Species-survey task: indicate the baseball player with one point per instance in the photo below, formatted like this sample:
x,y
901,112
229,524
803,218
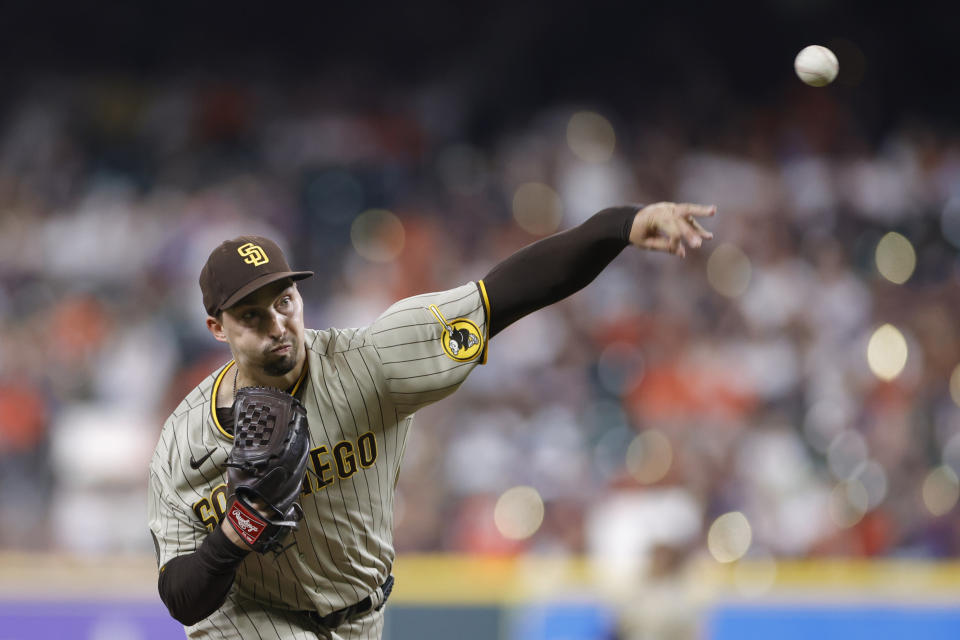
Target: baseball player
x,y
326,574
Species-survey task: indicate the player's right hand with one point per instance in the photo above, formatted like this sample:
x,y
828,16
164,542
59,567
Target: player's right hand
x,y
667,226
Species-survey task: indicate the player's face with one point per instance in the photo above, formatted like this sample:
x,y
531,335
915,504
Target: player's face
x,y
265,329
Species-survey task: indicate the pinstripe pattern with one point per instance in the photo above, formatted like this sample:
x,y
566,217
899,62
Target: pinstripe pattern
x,y
361,383
242,619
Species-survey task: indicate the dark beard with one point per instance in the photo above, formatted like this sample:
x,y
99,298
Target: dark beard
x,y
281,366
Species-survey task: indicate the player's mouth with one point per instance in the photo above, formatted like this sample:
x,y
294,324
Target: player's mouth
x,y
282,350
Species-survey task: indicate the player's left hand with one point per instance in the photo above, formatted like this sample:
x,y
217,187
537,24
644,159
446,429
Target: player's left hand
x,y
668,226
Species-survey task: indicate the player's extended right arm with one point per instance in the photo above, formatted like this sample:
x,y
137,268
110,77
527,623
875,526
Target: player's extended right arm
x,y
558,266
553,268
194,585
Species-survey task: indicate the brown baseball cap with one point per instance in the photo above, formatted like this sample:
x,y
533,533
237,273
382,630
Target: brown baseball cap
x,y
239,267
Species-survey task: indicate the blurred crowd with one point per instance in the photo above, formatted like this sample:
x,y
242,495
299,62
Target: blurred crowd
x,y
666,394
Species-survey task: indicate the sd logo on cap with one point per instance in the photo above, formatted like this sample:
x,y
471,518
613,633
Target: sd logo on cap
x,y
225,280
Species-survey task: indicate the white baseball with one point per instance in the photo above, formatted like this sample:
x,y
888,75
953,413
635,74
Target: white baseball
x,y
816,65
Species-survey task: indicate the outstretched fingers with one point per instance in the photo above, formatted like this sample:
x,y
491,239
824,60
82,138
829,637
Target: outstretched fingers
x,y
685,209
690,234
693,232
671,227
665,244
703,233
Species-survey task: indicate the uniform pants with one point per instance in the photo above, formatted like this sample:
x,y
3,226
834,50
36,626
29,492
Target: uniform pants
x,y
242,619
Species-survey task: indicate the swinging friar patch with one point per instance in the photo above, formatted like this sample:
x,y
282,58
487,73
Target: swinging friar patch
x,y
461,338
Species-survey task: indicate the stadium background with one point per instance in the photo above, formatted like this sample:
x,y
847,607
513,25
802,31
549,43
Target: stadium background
x,y
731,445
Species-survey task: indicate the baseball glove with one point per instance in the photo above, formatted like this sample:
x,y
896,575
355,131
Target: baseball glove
x,y
271,445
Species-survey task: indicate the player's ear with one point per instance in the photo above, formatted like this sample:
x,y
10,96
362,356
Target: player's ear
x,y
215,325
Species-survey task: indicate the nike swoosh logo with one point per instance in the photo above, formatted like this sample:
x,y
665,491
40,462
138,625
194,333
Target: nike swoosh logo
x,y
195,464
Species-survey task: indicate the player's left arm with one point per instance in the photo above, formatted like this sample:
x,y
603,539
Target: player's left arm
x,y
558,266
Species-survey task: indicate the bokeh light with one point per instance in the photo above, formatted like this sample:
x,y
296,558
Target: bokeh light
x,y
847,455
649,456
955,385
729,537
377,235
848,503
941,490
591,137
887,352
518,513
608,457
729,270
874,480
824,421
537,208
895,258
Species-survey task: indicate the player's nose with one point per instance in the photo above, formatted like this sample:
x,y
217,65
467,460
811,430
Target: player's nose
x,y
275,327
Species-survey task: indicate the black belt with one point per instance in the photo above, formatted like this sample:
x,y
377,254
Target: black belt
x,y
335,619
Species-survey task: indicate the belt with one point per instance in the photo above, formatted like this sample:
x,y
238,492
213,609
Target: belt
x,y
376,600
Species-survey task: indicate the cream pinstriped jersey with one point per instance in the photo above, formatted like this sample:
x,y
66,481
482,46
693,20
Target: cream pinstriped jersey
x,y
361,389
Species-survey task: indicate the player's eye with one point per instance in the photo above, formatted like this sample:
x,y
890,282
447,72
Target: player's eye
x,y
284,301
248,316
